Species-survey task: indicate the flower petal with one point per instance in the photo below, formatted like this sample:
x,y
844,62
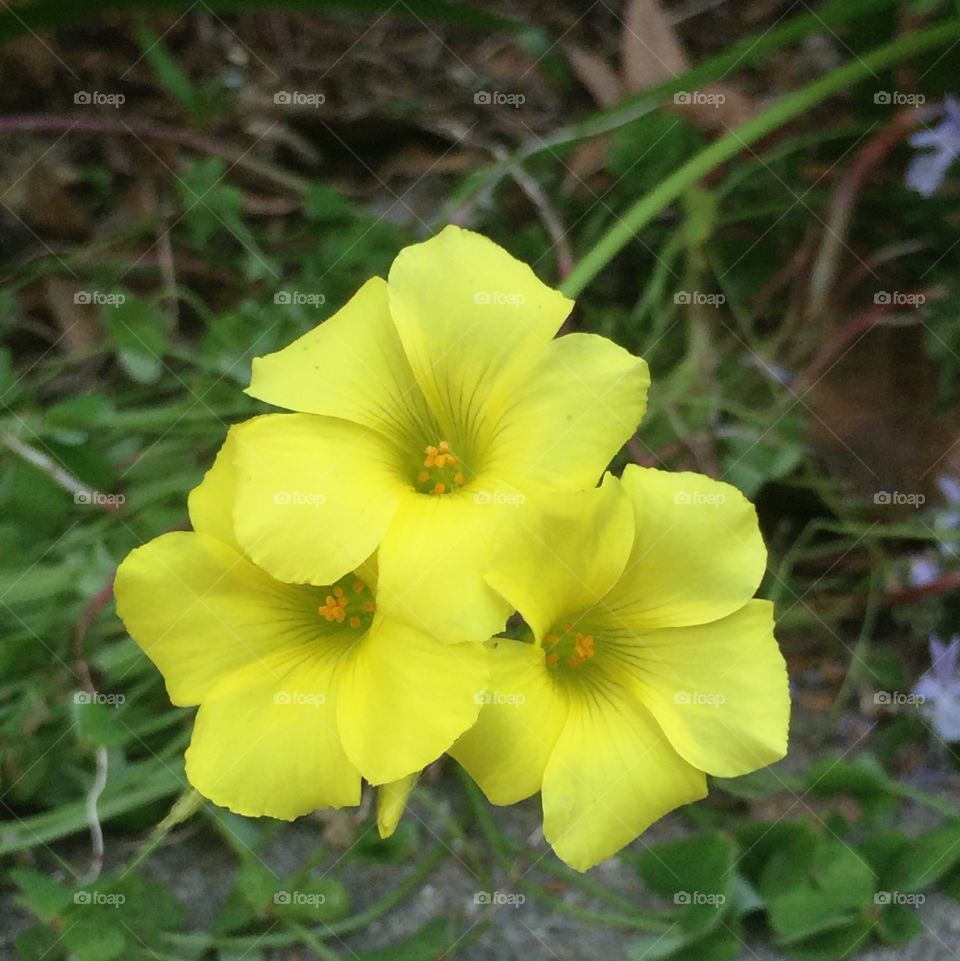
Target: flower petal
x,y
351,366
392,802
430,564
578,408
719,691
266,742
405,698
611,774
698,554
314,494
472,319
506,751
564,553
210,503
200,610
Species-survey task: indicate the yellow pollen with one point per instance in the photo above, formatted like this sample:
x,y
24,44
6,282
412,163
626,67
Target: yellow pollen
x,y
570,647
358,586
440,473
369,607
355,621
332,608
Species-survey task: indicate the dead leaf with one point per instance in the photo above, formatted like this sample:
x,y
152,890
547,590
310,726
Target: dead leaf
x,y
596,75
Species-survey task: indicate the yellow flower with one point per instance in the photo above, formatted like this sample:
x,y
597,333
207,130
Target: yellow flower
x,y
650,664
302,689
428,409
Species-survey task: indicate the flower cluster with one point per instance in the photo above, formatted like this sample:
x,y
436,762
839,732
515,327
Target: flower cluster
x,y
338,610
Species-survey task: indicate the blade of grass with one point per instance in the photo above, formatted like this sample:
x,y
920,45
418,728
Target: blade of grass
x,y
739,139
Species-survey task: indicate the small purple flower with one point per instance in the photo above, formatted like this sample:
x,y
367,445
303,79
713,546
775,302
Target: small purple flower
x,y
923,570
926,171
940,688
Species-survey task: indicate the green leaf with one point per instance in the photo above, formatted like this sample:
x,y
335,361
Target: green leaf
x,y
834,945
431,942
898,924
926,859
696,874
39,943
95,938
139,332
811,889
41,895
321,899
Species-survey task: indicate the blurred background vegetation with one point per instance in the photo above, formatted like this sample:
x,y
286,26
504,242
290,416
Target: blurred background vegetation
x,y
184,186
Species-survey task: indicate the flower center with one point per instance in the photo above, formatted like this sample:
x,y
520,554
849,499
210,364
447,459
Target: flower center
x,y
350,601
441,471
568,647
